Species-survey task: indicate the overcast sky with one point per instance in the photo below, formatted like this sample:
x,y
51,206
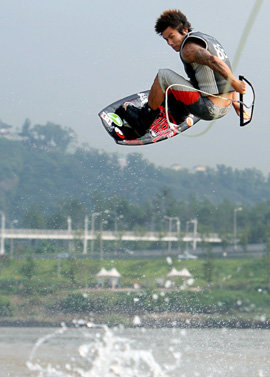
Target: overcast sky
x,y
63,61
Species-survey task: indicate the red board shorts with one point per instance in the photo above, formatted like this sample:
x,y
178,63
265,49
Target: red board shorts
x,y
193,101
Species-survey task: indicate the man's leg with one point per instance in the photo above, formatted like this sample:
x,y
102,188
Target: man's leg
x,y
156,95
156,98
140,119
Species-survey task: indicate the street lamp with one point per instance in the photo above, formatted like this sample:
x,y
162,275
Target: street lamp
x,y
178,229
116,219
101,239
69,231
13,222
69,223
187,224
178,224
195,223
235,226
3,221
85,235
195,226
170,230
93,216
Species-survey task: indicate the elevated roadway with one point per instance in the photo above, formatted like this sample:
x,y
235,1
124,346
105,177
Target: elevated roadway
x,y
86,236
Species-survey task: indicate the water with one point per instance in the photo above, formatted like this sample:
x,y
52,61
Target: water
x,y
101,352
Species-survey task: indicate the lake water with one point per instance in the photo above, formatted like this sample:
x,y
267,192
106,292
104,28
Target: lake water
x,y
101,352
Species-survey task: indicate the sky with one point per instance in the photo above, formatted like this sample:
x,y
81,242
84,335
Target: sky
x,y
63,61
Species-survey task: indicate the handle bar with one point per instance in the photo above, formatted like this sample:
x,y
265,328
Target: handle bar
x,y
241,97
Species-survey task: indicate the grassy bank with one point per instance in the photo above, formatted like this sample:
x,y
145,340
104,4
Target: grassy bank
x,y
220,293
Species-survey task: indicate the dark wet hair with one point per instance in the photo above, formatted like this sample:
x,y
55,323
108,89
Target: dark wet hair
x,y
173,18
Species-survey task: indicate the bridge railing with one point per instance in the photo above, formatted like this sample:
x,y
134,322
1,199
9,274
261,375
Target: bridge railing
x,y
106,235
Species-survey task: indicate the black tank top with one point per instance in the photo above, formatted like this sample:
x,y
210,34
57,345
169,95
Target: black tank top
x,y
201,76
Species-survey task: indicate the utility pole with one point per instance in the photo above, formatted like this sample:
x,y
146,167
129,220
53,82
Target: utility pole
x,y
116,219
235,227
170,231
85,235
3,221
69,231
93,217
12,241
101,238
195,226
178,224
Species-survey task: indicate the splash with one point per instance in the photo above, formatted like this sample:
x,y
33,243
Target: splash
x,y
103,352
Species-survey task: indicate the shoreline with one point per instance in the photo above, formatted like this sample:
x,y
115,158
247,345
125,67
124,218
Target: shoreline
x,y
153,320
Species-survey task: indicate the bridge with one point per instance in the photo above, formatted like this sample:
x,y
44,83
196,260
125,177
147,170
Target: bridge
x,y
89,235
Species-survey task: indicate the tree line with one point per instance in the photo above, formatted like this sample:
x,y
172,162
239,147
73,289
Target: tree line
x,y
253,223
46,178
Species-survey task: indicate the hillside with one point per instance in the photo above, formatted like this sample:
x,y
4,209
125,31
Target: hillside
x,y
33,175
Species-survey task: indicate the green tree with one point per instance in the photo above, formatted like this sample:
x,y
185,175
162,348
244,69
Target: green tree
x,y
72,270
33,218
7,309
209,266
56,220
45,247
244,237
50,136
72,208
28,268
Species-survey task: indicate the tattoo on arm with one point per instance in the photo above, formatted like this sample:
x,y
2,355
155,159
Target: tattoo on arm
x,y
202,56
193,53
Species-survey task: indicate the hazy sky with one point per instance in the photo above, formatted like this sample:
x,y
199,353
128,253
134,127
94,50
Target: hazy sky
x,y
64,60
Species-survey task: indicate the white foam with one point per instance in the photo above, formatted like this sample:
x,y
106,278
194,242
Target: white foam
x,y
104,353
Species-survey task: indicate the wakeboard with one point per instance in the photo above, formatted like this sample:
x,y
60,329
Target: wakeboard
x,y
159,130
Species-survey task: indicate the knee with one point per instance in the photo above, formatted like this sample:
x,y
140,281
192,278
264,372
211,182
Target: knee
x,y
163,73
164,76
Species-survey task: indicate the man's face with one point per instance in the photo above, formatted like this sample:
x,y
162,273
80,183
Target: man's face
x,y
174,38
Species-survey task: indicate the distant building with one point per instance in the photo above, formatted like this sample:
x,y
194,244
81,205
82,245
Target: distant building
x,y
176,167
4,129
200,168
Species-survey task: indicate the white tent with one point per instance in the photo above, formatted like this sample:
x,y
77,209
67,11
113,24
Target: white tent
x,y
114,277
113,273
102,273
111,277
173,273
184,273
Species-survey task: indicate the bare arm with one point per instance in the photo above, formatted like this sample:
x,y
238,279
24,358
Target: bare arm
x,y
194,53
236,106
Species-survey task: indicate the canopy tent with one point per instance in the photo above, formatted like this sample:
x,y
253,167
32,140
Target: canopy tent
x,y
113,273
173,273
111,277
102,273
184,273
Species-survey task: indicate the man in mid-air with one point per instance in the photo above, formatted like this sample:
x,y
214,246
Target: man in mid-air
x,y
209,71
